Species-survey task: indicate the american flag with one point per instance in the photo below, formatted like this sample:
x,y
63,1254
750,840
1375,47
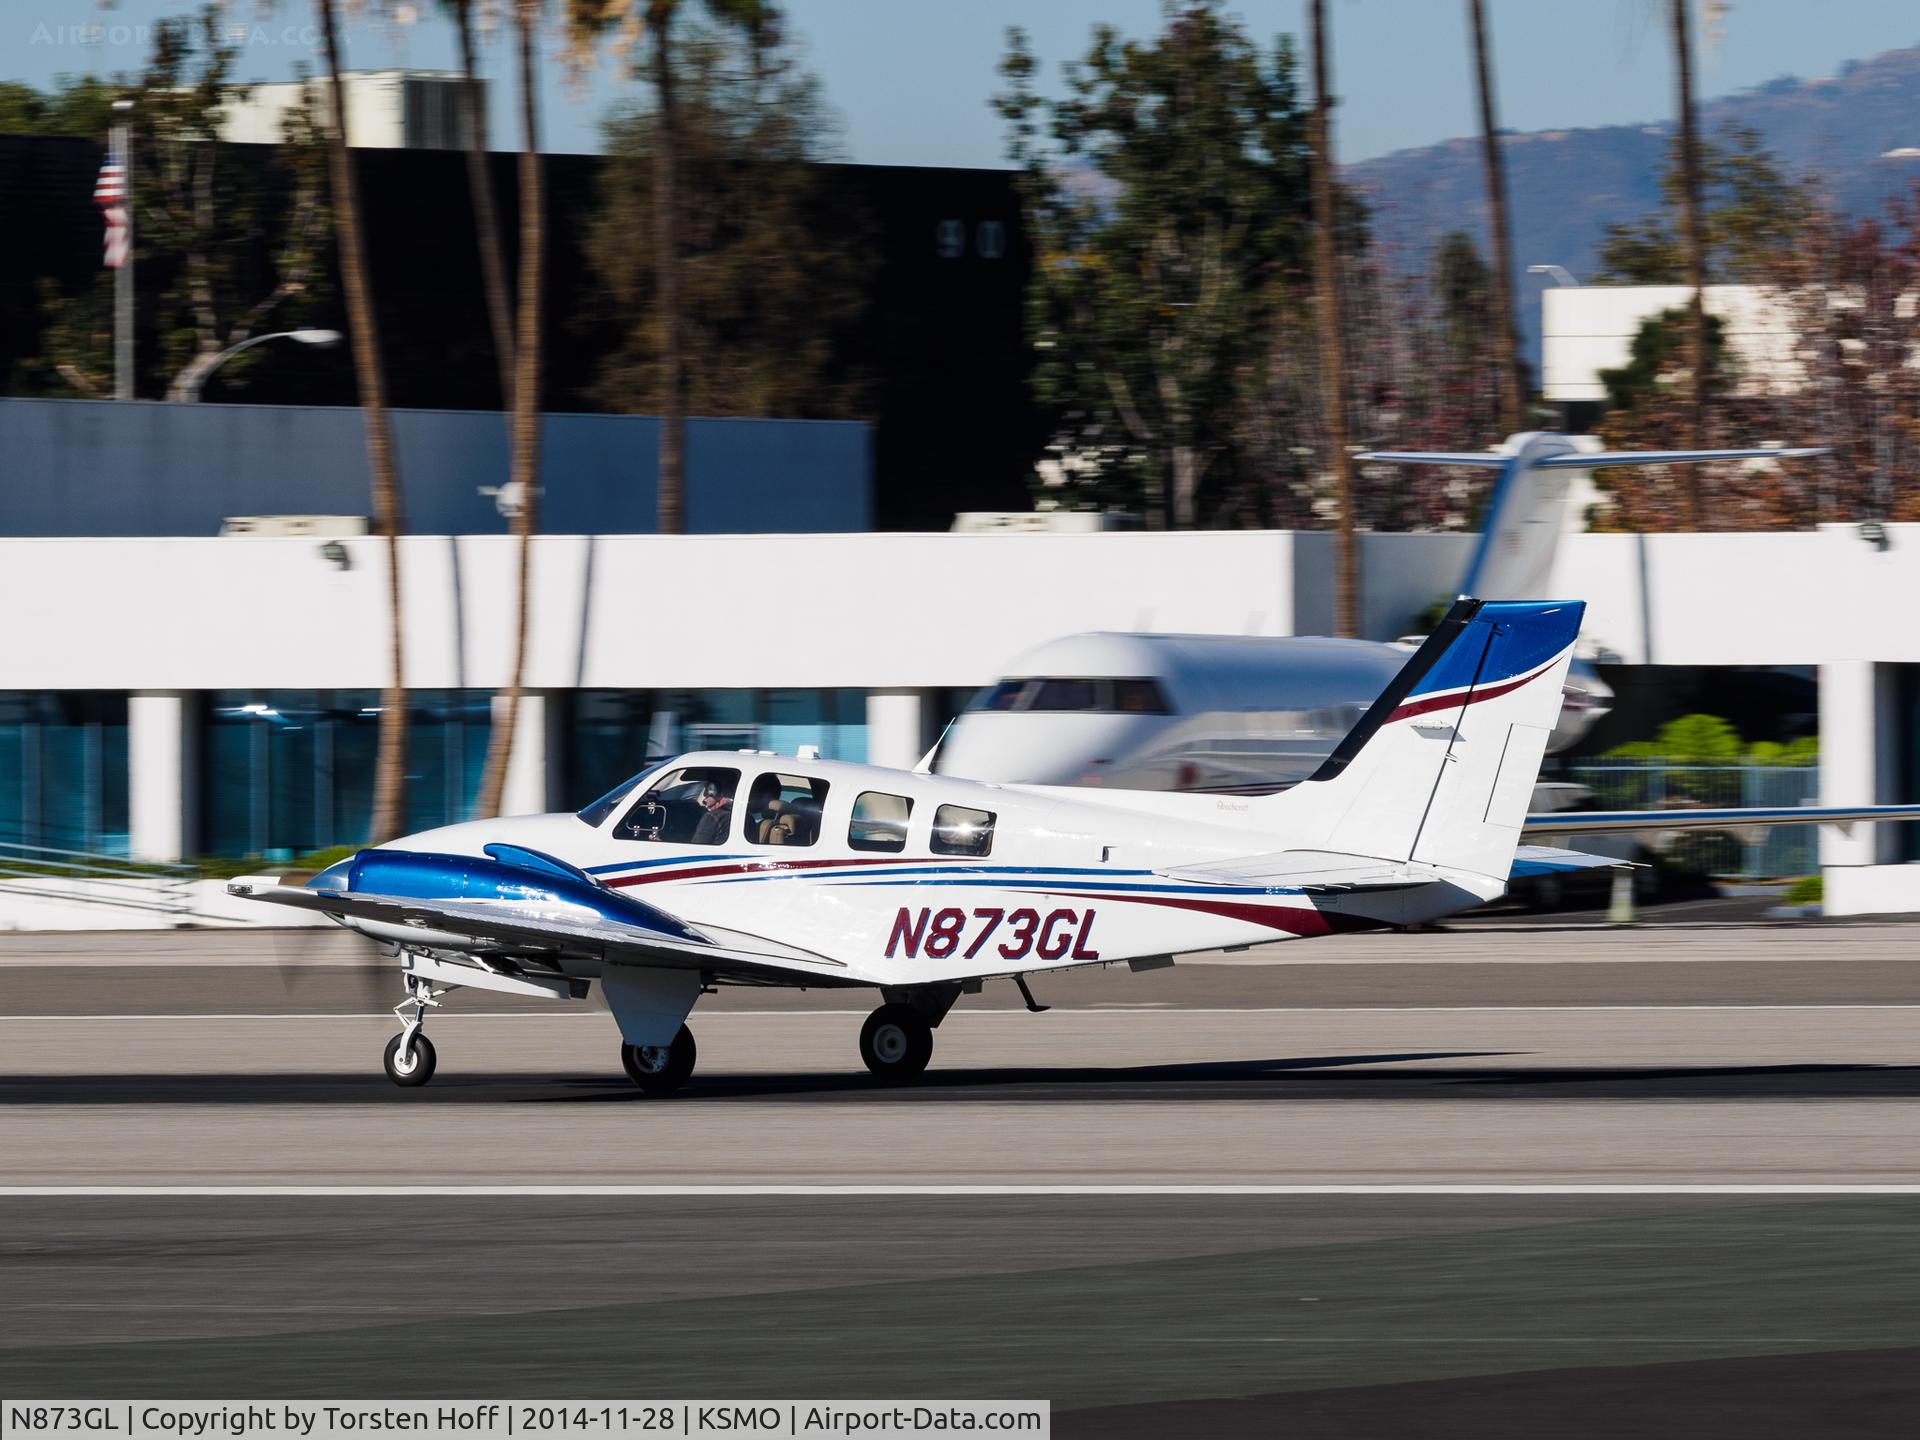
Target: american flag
x,y
110,194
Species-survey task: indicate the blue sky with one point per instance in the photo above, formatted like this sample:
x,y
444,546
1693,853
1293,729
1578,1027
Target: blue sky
x,y
910,78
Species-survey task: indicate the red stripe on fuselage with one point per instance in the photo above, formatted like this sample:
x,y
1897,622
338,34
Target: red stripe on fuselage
x,y
1300,920
748,867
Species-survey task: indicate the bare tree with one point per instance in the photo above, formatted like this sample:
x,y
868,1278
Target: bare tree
x,y
1696,260
1333,359
526,406
1512,397
666,243
390,764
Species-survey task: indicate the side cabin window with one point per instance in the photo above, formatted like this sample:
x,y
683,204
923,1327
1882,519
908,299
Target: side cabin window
x,y
784,810
692,805
960,831
879,822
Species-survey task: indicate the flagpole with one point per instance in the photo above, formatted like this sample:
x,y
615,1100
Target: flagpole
x,y
121,154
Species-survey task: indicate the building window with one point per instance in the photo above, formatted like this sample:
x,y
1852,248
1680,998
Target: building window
x,y
63,769
290,771
879,822
958,830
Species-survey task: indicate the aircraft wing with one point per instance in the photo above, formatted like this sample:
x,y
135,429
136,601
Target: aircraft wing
x,y
498,927
1574,822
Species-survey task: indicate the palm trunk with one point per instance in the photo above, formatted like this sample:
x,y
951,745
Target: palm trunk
x,y
493,269
1512,397
526,409
666,242
1696,264
389,774
1333,350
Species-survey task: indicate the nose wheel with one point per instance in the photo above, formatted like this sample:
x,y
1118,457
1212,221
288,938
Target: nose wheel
x,y
410,1059
660,1069
896,1043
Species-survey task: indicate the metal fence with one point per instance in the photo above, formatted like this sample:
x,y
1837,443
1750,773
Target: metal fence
x,y
1783,850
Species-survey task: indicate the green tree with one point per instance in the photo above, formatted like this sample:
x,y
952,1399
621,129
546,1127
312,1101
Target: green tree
x,y
1166,195
78,105
1658,351
1749,218
225,243
775,259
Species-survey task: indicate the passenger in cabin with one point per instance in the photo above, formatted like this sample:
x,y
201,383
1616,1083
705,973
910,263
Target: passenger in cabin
x,y
713,826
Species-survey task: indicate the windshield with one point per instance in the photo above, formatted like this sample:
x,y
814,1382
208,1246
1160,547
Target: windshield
x,y
596,814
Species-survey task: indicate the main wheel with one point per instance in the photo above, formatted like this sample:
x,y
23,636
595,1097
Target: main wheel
x,y
660,1069
896,1042
414,1068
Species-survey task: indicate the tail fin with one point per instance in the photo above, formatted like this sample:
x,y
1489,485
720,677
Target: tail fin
x,y
1441,767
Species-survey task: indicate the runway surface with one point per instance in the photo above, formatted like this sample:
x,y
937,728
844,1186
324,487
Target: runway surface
x,y
1662,1088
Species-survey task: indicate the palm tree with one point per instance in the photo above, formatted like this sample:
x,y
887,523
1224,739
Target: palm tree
x,y
1333,350
526,404
1696,261
1512,398
493,269
390,764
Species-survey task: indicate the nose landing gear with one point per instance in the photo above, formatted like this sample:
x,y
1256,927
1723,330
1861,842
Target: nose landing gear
x,y
410,1059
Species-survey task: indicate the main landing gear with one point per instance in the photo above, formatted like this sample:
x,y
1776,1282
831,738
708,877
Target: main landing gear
x,y
896,1043
660,1069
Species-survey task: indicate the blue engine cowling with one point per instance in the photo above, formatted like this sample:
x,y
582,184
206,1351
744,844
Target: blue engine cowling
x,y
511,873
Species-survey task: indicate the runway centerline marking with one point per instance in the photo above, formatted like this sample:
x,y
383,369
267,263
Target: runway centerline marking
x,y
691,1191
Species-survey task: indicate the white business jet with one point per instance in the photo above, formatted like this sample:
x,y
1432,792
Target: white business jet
x,y
1248,713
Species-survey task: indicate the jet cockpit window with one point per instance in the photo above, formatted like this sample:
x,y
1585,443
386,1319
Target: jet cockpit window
x,y
784,810
596,814
1127,695
958,830
879,822
692,805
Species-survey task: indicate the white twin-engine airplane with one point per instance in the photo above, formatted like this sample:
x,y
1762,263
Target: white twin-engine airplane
x,y
748,868
754,869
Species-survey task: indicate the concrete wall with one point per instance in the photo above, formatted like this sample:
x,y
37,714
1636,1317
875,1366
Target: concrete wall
x,y
98,467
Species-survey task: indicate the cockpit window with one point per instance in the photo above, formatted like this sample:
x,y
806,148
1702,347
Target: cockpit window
x,y
1066,695
596,814
1125,695
692,805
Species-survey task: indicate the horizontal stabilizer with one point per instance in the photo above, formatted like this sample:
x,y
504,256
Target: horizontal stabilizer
x,y
1529,860
1575,822
1603,458
1314,872
1488,459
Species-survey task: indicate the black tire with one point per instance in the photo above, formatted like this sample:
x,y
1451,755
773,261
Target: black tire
x,y
896,1043
420,1071
658,1073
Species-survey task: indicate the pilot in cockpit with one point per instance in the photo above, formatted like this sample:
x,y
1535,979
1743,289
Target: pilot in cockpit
x,y
713,825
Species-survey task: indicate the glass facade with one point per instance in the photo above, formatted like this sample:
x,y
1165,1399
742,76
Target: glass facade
x,y
609,734
287,771
63,769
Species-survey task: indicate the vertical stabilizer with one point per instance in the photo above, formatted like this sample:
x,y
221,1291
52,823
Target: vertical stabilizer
x,y
1442,765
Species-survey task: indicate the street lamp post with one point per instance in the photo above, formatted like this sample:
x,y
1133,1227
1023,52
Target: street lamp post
x,y
192,379
120,152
